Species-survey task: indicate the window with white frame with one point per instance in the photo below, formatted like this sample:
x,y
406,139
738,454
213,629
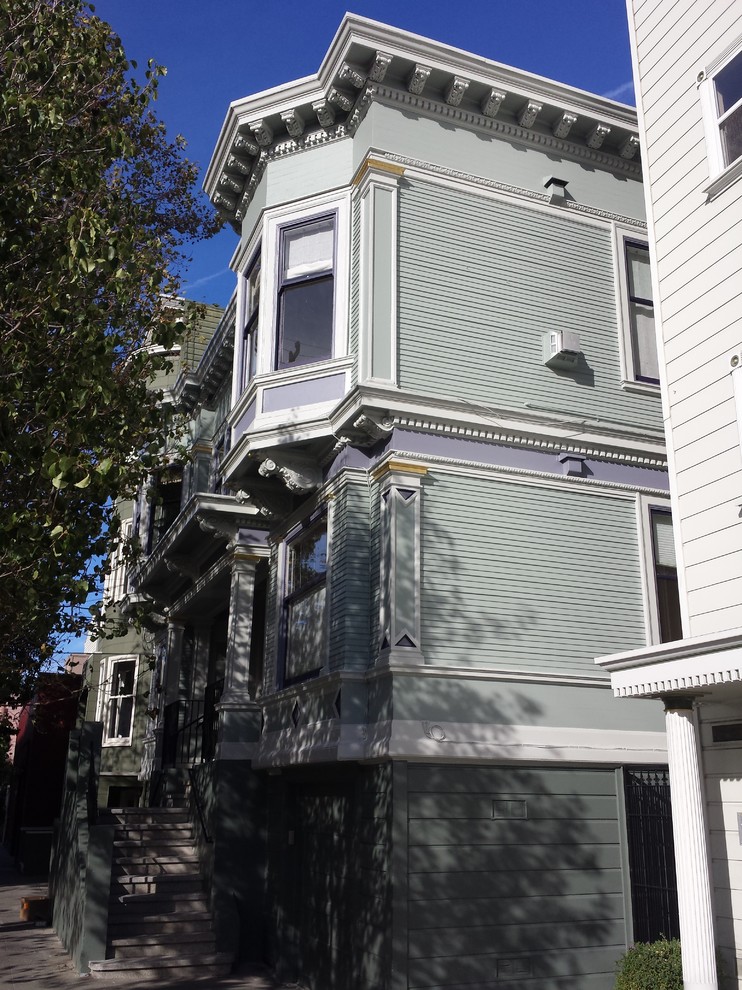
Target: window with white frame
x,y
639,351
250,327
304,602
721,97
306,292
116,699
662,595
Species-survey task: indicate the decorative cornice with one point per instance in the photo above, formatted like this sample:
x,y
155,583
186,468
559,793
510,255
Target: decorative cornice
x,y
359,60
396,466
516,130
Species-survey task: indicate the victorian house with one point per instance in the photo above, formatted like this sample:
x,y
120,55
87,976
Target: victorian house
x,y
427,486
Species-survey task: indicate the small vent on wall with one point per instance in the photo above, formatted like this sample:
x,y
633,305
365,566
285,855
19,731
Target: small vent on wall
x,y
509,809
727,732
561,349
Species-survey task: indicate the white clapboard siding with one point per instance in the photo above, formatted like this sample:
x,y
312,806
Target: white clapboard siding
x,y
691,476
720,333
726,438
714,544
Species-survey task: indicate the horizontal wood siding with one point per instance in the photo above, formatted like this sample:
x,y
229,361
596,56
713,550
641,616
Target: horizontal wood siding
x,y
523,576
699,265
536,901
349,594
482,280
328,888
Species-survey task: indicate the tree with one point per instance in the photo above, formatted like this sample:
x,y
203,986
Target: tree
x,y
98,207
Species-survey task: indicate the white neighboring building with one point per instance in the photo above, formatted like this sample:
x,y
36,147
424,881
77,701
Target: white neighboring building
x,y
688,76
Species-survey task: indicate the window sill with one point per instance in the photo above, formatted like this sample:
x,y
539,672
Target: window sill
x,y
113,743
640,388
723,180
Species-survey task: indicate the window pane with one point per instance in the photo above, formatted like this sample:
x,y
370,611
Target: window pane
x,y
640,279
664,545
123,678
308,248
308,559
253,288
305,327
125,712
306,633
644,344
731,136
728,84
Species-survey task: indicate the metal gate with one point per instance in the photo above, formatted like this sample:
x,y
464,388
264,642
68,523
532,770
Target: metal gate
x,y
654,896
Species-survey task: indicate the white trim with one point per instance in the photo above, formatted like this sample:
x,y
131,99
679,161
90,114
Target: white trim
x,y
457,741
721,173
105,675
622,234
644,506
274,221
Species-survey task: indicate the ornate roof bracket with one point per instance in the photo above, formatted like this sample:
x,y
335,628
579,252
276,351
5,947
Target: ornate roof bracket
x,y
379,67
455,91
183,565
491,102
366,430
237,164
597,136
629,147
294,123
348,74
564,125
244,143
528,114
418,78
270,504
262,131
336,96
228,181
325,113
297,474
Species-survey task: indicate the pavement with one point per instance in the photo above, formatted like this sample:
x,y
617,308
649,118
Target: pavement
x,y
32,957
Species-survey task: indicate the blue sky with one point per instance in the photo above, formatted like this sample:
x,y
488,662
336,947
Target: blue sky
x,y
217,51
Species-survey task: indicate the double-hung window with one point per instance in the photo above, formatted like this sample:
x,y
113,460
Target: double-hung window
x,y
118,682
641,313
640,363
721,102
250,328
306,292
665,576
304,602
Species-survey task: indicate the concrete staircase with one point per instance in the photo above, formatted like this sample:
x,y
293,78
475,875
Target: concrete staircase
x,y
159,922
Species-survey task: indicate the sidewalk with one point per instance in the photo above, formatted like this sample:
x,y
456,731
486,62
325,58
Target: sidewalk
x,y
32,958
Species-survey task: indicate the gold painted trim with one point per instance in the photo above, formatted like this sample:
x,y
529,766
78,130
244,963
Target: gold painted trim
x,y
403,467
378,165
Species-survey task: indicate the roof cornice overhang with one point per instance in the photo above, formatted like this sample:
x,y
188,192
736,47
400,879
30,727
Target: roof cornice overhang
x,y
364,53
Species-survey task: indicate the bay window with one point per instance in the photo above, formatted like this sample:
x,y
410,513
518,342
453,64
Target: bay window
x,y
304,602
306,290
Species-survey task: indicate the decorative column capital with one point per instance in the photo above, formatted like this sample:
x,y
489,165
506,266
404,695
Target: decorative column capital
x,y
678,702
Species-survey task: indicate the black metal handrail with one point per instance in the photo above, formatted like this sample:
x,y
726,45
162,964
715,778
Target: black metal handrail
x,y
199,803
190,728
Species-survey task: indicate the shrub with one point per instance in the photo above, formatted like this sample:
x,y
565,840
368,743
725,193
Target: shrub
x,y
651,966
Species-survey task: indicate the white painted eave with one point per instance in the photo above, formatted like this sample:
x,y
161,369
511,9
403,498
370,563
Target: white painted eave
x,y
687,665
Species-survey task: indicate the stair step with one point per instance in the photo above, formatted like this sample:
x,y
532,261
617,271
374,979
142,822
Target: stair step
x,y
158,865
126,925
211,966
129,847
164,944
154,904
175,884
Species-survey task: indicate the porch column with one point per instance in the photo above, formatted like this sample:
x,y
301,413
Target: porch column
x,y
200,674
239,721
175,631
695,906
